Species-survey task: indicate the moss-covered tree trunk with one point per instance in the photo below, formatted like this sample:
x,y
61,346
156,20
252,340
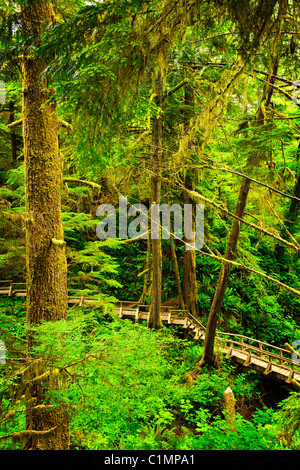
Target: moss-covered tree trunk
x,y
147,275
230,253
154,320
174,258
190,292
46,265
208,354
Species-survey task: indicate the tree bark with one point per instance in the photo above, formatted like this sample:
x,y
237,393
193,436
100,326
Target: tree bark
x,y
45,261
208,354
154,320
175,261
190,292
230,254
148,275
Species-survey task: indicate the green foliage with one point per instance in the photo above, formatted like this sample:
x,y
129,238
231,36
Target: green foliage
x,y
242,435
132,388
287,419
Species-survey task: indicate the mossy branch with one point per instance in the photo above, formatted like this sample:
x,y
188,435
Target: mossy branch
x,y
91,184
45,375
296,384
13,217
177,87
143,272
66,125
247,268
243,175
59,243
129,240
29,433
291,349
196,196
14,124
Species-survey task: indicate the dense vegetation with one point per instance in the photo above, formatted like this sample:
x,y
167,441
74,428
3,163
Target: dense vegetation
x,y
134,388
176,102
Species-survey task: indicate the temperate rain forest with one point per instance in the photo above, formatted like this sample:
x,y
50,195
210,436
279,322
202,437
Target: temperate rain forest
x,y
150,226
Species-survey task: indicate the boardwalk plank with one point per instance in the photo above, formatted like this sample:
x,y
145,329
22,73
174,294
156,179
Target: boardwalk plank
x,y
238,350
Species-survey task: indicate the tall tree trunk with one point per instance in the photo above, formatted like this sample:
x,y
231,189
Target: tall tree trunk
x,y
190,293
46,265
230,254
154,320
174,259
208,354
148,275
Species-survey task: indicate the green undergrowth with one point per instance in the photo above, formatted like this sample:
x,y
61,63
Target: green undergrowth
x,y
131,388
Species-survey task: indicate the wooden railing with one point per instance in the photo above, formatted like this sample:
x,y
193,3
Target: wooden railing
x,y
274,355
142,310
10,288
249,351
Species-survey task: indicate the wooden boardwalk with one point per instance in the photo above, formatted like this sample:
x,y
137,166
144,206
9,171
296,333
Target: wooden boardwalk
x,y
273,361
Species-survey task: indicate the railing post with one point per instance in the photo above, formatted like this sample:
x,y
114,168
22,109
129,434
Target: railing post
x,y
291,374
229,352
280,357
248,360
10,289
121,309
269,367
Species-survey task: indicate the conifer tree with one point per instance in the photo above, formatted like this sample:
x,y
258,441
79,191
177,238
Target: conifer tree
x,y
45,247
46,266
